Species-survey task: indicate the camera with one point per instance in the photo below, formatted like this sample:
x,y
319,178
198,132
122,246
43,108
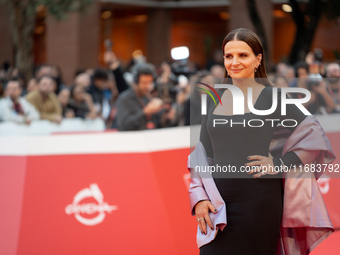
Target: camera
x,y
313,80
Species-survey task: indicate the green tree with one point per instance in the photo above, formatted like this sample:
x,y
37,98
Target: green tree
x,y
22,14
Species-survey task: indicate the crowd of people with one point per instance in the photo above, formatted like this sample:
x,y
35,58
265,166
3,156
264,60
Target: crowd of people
x,y
141,96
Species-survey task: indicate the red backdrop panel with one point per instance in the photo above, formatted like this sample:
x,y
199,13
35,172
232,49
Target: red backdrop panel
x,y
12,177
140,224
142,197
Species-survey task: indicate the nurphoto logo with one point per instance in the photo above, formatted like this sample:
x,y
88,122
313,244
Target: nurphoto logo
x,y
238,99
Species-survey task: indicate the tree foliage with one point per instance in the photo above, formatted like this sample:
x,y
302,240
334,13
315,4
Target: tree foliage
x,y
22,14
306,18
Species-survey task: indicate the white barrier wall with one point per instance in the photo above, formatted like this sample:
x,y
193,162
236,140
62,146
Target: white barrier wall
x,y
45,127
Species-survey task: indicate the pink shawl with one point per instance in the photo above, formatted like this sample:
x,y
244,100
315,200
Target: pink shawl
x,y
305,220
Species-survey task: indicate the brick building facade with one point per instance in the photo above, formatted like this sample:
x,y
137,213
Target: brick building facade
x,y
154,27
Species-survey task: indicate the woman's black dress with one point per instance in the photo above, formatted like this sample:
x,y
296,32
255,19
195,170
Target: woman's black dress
x,y
254,205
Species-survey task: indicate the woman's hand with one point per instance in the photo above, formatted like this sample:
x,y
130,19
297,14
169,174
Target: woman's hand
x,y
202,215
266,165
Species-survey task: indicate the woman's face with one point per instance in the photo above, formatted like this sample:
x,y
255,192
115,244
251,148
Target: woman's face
x,y
239,60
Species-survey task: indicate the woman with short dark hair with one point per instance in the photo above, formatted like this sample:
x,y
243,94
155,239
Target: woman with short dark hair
x,y
240,212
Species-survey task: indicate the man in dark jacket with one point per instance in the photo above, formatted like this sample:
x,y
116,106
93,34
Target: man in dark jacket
x,y
100,82
136,110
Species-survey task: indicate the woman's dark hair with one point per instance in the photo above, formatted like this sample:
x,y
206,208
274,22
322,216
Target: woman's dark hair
x,y
254,42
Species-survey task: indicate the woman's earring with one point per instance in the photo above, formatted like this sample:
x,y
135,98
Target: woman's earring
x,y
257,67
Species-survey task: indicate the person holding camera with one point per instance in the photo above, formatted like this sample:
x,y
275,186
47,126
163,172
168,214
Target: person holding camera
x,y
333,82
136,109
321,101
81,103
166,83
309,76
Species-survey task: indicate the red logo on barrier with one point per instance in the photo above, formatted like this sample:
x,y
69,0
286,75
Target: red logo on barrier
x,y
324,184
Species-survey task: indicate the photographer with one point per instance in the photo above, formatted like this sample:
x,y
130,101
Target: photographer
x,y
96,89
321,101
81,103
136,109
301,73
333,82
166,89
113,65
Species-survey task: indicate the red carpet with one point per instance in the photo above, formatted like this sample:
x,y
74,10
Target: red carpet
x,y
330,246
